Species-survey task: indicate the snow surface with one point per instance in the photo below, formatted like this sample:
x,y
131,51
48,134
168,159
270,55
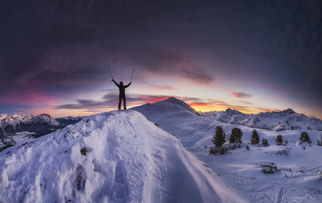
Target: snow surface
x,y
299,178
110,157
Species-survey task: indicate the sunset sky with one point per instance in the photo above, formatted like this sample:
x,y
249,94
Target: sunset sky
x,y
247,55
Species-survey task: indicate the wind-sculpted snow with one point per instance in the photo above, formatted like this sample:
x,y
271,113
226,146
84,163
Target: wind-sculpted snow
x,y
110,157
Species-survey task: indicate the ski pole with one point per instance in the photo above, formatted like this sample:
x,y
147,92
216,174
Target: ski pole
x,y
109,70
132,74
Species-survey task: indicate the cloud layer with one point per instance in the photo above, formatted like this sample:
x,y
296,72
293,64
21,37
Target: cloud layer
x,y
110,100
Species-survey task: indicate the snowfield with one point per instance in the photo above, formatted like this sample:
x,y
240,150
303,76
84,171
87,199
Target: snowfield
x,y
299,175
110,157
162,155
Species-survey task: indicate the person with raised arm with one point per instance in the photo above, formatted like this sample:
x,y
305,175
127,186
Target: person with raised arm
x,y
122,87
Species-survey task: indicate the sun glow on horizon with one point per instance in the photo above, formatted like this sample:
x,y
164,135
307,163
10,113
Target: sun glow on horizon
x,y
208,107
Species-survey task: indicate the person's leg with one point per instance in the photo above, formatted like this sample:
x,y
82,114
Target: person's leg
x,y
120,99
124,102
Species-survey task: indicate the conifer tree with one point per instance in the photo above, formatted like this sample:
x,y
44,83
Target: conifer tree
x,y
255,137
279,139
236,135
319,142
219,137
264,142
304,137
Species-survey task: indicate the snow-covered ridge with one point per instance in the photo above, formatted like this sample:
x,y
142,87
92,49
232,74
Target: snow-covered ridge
x,y
110,157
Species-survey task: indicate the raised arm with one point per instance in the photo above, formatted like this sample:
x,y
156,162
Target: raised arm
x,y
127,85
115,83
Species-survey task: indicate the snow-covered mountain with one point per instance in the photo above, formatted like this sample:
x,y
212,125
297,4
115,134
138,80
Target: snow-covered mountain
x,y
39,125
283,120
298,167
110,157
279,121
177,118
123,156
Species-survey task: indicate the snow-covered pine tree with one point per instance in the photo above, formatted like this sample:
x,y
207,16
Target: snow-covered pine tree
x,y
264,142
255,137
304,137
219,138
279,140
236,135
319,142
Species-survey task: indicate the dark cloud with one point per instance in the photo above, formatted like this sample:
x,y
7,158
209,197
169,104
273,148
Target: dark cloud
x,y
240,94
59,48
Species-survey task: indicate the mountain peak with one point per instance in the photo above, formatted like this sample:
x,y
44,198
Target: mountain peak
x,y
179,102
232,111
288,111
45,115
174,100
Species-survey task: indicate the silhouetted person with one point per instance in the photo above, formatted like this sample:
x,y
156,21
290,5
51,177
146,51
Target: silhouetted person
x,y
121,87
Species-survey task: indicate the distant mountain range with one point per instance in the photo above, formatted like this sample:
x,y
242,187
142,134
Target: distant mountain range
x,y
283,120
39,125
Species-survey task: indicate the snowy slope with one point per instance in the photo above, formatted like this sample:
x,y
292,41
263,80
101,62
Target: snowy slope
x,y
175,117
300,170
110,157
299,178
283,120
